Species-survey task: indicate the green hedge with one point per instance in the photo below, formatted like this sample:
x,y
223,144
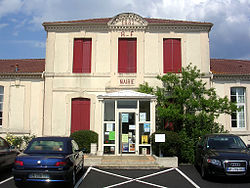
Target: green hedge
x,y
84,138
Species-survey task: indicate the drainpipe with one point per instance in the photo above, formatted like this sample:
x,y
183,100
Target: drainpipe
x,y
43,77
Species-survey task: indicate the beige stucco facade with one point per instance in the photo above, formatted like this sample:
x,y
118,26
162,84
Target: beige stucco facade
x,y
42,105
223,85
23,104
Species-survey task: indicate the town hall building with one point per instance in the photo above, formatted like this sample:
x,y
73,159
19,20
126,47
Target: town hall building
x,y
91,74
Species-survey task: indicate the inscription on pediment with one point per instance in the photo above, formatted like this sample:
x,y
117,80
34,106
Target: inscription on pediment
x,y
127,20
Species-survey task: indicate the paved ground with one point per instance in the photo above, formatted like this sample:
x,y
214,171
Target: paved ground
x,y
184,176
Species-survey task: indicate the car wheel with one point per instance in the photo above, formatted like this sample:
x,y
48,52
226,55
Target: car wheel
x,y
204,173
82,167
19,184
196,164
73,178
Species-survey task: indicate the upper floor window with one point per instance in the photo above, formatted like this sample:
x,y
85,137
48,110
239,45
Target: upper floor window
x,y
82,55
171,55
1,105
238,118
127,55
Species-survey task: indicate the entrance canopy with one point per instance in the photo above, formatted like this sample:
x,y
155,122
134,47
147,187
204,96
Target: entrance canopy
x,y
128,120
127,94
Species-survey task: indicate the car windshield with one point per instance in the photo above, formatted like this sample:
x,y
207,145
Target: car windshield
x,y
225,143
48,146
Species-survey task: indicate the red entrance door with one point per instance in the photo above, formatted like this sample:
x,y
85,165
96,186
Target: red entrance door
x,y
80,114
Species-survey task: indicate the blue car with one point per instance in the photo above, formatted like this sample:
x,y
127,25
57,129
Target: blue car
x,y
49,159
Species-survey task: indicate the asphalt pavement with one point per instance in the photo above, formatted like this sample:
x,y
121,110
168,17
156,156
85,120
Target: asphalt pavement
x,y
184,176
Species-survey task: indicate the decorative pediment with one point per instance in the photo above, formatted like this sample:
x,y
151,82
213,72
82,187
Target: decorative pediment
x,y
127,21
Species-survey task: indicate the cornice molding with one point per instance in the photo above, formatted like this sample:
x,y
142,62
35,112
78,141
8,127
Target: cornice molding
x,y
126,22
22,75
106,28
178,28
76,27
230,77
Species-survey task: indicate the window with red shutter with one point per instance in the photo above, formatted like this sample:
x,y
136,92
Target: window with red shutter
x,y
127,55
171,55
82,55
80,114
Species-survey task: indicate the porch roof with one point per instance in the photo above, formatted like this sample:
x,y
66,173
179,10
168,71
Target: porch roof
x,y
126,94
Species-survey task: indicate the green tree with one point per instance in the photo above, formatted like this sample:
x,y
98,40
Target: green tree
x,y
191,106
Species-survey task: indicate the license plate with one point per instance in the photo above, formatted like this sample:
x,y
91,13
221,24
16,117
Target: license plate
x,y
236,169
38,175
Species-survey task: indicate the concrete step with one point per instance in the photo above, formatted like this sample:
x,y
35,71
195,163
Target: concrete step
x,y
128,160
129,167
122,162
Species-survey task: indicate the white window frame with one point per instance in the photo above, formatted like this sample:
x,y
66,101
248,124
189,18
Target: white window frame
x,y
239,103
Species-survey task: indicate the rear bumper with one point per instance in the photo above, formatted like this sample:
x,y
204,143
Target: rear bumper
x,y
54,176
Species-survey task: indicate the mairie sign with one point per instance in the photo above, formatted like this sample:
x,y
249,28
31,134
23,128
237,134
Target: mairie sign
x,y
127,81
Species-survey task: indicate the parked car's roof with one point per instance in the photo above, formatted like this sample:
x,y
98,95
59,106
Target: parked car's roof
x,y
219,134
53,138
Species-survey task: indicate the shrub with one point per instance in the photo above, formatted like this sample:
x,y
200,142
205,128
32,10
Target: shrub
x,y
176,144
84,138
169,148
19,142
187,147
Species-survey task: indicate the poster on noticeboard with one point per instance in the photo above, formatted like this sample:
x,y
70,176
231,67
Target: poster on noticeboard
x,y
146,127
131,147
143,116
124,117
125,147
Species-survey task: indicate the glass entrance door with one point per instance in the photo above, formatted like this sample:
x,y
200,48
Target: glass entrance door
x,y
127,133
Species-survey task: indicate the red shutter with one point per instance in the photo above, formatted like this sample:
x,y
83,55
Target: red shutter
x,y
122,56
80,114
87,46
131,67
127,56
82,56
176,55
171,55
77,56
167,55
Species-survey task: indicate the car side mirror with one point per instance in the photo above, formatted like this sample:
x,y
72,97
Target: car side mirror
x,y
12,147
200,146
84,150
248,146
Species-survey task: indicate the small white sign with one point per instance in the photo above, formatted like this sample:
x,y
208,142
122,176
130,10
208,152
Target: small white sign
x,y
159,137
124,117
109,127
131,127
143,116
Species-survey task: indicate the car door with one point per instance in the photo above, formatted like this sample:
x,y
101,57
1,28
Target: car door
x,y
200,149
2,153
76,155
7,155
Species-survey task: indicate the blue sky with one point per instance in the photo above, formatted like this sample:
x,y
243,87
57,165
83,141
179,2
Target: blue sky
x,y
23,37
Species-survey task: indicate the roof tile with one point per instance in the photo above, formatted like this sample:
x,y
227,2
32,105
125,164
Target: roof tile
x,y
230,66
149,20
22,65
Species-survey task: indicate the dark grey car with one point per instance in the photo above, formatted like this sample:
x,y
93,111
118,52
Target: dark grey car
x,y
7,154
222,155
